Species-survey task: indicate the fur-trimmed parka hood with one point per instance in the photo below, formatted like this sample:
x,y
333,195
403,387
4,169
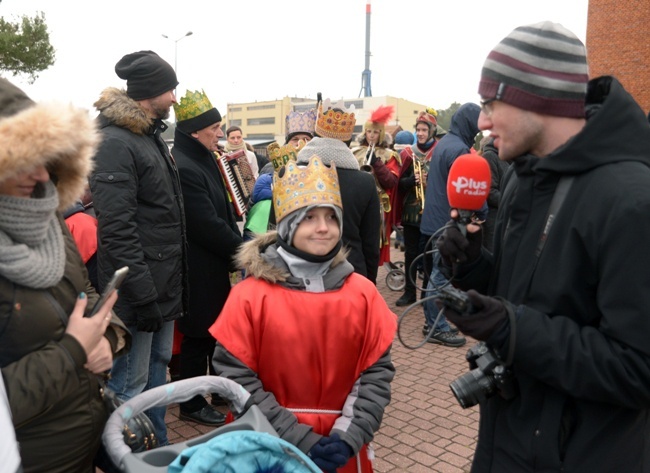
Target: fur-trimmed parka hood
x,y
254,256
61,137
119,109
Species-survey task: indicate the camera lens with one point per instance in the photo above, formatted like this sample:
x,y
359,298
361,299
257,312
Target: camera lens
x,y
472,387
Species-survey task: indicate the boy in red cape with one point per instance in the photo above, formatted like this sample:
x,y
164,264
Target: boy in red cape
x,y
305,335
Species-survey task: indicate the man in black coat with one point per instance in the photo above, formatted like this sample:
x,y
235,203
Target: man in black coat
x,y
139,207
213,238
569,268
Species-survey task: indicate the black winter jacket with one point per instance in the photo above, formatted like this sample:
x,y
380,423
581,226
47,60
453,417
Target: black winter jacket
x,y
582,357
139,206
360,220
212,234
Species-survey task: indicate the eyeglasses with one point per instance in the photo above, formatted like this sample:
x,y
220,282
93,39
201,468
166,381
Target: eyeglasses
x,y
486,106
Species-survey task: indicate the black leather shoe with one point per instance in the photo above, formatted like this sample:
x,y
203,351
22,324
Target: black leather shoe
x,y
406,299
207,415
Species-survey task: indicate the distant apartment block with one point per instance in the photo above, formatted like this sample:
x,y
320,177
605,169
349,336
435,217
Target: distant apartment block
x,y
264,121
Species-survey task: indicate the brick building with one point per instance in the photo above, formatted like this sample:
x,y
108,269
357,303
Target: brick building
x,y
618,44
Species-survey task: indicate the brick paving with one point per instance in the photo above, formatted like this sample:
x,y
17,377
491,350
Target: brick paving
x,y
424,429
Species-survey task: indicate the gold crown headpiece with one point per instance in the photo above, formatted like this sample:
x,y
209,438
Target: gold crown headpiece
x,y
281,155
297,186
335,121
192,105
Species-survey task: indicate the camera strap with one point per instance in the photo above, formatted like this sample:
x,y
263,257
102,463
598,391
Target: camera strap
x,y
559,197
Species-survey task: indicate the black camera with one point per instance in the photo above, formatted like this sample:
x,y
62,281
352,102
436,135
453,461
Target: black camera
x,y
487,376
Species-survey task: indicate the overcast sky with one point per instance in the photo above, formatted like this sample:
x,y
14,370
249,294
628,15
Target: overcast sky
x,y
426,51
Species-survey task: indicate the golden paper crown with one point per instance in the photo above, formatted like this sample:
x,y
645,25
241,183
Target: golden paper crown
x,y
295,187
335,121
192,105
280,156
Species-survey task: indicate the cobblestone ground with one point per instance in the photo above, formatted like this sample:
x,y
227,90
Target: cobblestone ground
x,y
424,429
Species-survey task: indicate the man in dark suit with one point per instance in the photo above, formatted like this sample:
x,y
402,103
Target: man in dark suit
x,y
213,238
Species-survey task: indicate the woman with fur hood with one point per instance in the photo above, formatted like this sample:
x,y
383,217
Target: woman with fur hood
x,y
305,335
51,352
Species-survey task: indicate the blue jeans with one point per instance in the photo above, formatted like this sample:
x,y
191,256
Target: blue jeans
x,y
436,280
145,367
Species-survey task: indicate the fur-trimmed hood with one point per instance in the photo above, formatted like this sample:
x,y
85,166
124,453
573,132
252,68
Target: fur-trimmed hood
x,y
257,258
119,109
62,137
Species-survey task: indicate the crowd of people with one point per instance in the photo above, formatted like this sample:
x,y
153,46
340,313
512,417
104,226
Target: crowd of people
x,y
553,264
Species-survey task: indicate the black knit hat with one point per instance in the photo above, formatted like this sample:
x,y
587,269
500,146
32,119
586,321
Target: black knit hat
x,y
147,75
541,68
194,112
200,122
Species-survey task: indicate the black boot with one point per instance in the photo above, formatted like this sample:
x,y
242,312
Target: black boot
x,y
208,415
407,298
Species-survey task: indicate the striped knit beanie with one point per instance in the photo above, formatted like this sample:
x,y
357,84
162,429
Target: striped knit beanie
x,y
541,68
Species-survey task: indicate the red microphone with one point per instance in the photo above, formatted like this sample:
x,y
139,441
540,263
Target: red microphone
x,y
468,186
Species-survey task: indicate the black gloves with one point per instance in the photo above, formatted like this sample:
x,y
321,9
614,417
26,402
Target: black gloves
x,y
455,248
374,159
488,316
149,317
330,453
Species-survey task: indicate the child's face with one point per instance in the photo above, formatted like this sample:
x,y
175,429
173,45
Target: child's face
x,y
318,233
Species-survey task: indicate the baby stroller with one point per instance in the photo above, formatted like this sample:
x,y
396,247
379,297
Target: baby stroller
x,y
247,445
396,277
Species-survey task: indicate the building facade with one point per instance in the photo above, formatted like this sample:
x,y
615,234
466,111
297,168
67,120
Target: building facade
x,y
618,44
265,120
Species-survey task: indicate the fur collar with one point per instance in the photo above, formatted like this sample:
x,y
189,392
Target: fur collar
x,y
251,257
120,110
62,137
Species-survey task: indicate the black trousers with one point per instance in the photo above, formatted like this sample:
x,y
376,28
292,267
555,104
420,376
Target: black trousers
x,y
411,251
426,261
196,360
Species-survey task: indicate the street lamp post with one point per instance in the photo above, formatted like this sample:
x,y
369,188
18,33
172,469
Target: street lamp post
x,y
189,33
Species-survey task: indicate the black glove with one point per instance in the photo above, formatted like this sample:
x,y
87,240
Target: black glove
x,y
149,317
330,453
455,248
487,316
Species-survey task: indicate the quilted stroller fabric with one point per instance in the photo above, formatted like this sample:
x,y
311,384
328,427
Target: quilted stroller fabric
x,y
243,452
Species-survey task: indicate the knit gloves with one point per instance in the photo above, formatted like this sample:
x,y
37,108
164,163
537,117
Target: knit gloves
x,y
455,248
488,316
330,453
149,317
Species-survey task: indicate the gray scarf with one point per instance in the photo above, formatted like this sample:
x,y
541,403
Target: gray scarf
x,y
32,251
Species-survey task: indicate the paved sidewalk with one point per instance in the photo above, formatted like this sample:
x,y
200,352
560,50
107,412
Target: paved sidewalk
x,y
424,429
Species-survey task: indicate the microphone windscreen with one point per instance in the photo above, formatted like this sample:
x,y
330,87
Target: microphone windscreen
x,y
468,184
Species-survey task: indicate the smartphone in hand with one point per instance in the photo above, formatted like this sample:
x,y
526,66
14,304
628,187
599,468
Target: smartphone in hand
x,y
116,281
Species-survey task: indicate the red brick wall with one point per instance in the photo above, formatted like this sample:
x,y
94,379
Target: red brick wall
x,y
618,44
